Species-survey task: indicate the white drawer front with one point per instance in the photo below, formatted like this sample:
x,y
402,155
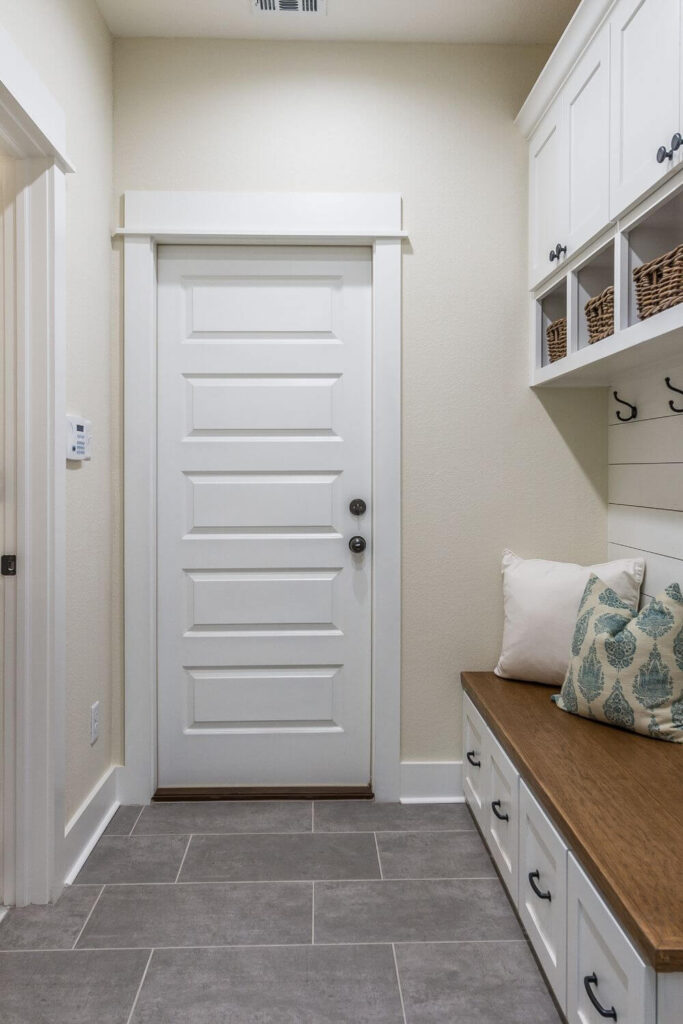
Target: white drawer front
x,y
543,865
502,818
601,959
475,753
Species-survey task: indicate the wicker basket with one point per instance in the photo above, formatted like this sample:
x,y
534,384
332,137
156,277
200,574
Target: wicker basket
x,y
556,333
659,283
600,316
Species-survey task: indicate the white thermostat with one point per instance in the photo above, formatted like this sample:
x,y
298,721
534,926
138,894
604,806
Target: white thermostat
x,y
78,438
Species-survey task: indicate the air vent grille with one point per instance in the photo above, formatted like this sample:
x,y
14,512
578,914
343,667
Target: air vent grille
x,y
289,6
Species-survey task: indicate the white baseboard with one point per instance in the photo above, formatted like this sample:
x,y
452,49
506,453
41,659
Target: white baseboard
x,y
88,824
431,782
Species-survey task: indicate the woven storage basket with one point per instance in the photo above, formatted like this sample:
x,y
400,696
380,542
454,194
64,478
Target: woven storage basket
x,y
556,333
659,283
600,316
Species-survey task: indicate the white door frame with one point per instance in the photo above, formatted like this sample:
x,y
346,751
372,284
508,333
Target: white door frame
x,y
32,132
153,218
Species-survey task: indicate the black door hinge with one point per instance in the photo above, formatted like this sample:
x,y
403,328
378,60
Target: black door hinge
x,y
8,565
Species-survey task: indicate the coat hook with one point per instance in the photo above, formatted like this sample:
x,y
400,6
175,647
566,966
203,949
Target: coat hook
x,y
674,408
634,411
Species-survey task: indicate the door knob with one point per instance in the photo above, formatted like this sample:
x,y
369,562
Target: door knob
x,y
357,545
357,507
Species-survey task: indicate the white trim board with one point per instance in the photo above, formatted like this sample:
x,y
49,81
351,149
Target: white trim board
x,y
216,218
32,130
431,782
88,823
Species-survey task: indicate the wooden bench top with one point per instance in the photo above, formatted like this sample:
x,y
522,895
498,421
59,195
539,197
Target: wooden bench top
x,y
617,799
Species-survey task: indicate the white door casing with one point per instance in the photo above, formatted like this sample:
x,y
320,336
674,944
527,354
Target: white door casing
x,y
322,219
264,436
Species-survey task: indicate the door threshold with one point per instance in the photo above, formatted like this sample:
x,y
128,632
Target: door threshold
x,y
167,793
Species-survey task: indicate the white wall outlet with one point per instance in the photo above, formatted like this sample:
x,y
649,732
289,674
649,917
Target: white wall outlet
x,y
94,722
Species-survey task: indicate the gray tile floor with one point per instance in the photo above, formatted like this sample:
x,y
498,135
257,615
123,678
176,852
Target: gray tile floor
x,y
341,912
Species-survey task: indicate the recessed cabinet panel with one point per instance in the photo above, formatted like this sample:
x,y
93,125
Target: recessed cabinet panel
x,y
543,890
502,819
547,192
603,968
646,68
475,734
586,117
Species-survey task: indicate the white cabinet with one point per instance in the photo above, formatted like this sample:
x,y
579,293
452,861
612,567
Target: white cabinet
x,y
646,95
606,977
502,818
547,192
586,121
475,733
542,902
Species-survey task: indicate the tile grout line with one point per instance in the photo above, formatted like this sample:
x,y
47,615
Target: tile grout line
x,y
313,916
273,945
300,881
142,982
398,981
97,900
379,859
306,832
312,815
183,860
136,821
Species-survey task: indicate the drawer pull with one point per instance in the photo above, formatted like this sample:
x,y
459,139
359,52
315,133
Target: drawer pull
x,y
592,979
471,754
494,807
539,892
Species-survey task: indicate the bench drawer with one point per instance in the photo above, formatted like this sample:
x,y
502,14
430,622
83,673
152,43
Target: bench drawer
x,y
475,753
601,961
502,813
543,890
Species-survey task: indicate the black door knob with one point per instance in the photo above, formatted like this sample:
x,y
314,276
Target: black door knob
x,y
357,545
357,507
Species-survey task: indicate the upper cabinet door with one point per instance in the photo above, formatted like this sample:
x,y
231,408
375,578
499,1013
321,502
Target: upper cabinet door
x,y
586,119
646,65
547,192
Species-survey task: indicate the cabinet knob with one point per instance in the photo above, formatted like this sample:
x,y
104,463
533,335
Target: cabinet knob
x,y
668,154
558,251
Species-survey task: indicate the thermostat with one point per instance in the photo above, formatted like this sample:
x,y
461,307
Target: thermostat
x,y
78,438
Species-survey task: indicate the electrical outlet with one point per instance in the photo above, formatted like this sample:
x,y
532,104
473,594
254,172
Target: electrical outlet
x,y
94,722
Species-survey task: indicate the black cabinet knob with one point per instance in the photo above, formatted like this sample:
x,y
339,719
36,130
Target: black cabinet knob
x,y
357,507
558,251
668,154
357,545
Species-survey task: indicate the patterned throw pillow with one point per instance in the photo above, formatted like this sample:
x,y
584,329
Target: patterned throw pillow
x,y
627,669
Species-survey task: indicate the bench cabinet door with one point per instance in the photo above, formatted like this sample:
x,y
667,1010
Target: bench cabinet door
x,y
543,890
502,814
605,974
475,754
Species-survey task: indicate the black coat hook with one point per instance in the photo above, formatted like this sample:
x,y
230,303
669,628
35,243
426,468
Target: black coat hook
x,y
634,411
674,408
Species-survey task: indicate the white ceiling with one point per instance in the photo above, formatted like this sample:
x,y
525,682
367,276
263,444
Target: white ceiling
x,y
428,21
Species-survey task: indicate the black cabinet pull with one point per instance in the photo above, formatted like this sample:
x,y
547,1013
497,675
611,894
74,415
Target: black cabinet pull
x,y
588,981
558,251
501,817
533,875
668,154
471,754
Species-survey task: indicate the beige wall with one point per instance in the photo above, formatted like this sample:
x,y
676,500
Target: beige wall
x,y
487,463
70,47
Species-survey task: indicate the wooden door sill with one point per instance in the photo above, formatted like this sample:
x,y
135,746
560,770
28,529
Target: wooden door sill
x,y
168,793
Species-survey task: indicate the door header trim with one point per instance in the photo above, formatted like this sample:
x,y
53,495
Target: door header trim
x,y
235,218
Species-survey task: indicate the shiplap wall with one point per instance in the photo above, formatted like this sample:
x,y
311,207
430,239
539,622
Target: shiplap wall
x,y
646,477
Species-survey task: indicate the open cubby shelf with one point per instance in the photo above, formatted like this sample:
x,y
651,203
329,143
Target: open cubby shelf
x,y
653,229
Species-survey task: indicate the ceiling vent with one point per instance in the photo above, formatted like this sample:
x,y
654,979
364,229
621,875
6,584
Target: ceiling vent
x,y
289,6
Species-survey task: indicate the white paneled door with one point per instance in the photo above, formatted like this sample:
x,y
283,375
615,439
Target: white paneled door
x,y
264,439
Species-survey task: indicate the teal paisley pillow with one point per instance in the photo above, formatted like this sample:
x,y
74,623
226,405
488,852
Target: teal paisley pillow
x,y
627,669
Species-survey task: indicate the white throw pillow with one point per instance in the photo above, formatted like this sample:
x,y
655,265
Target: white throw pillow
x,y
541,599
